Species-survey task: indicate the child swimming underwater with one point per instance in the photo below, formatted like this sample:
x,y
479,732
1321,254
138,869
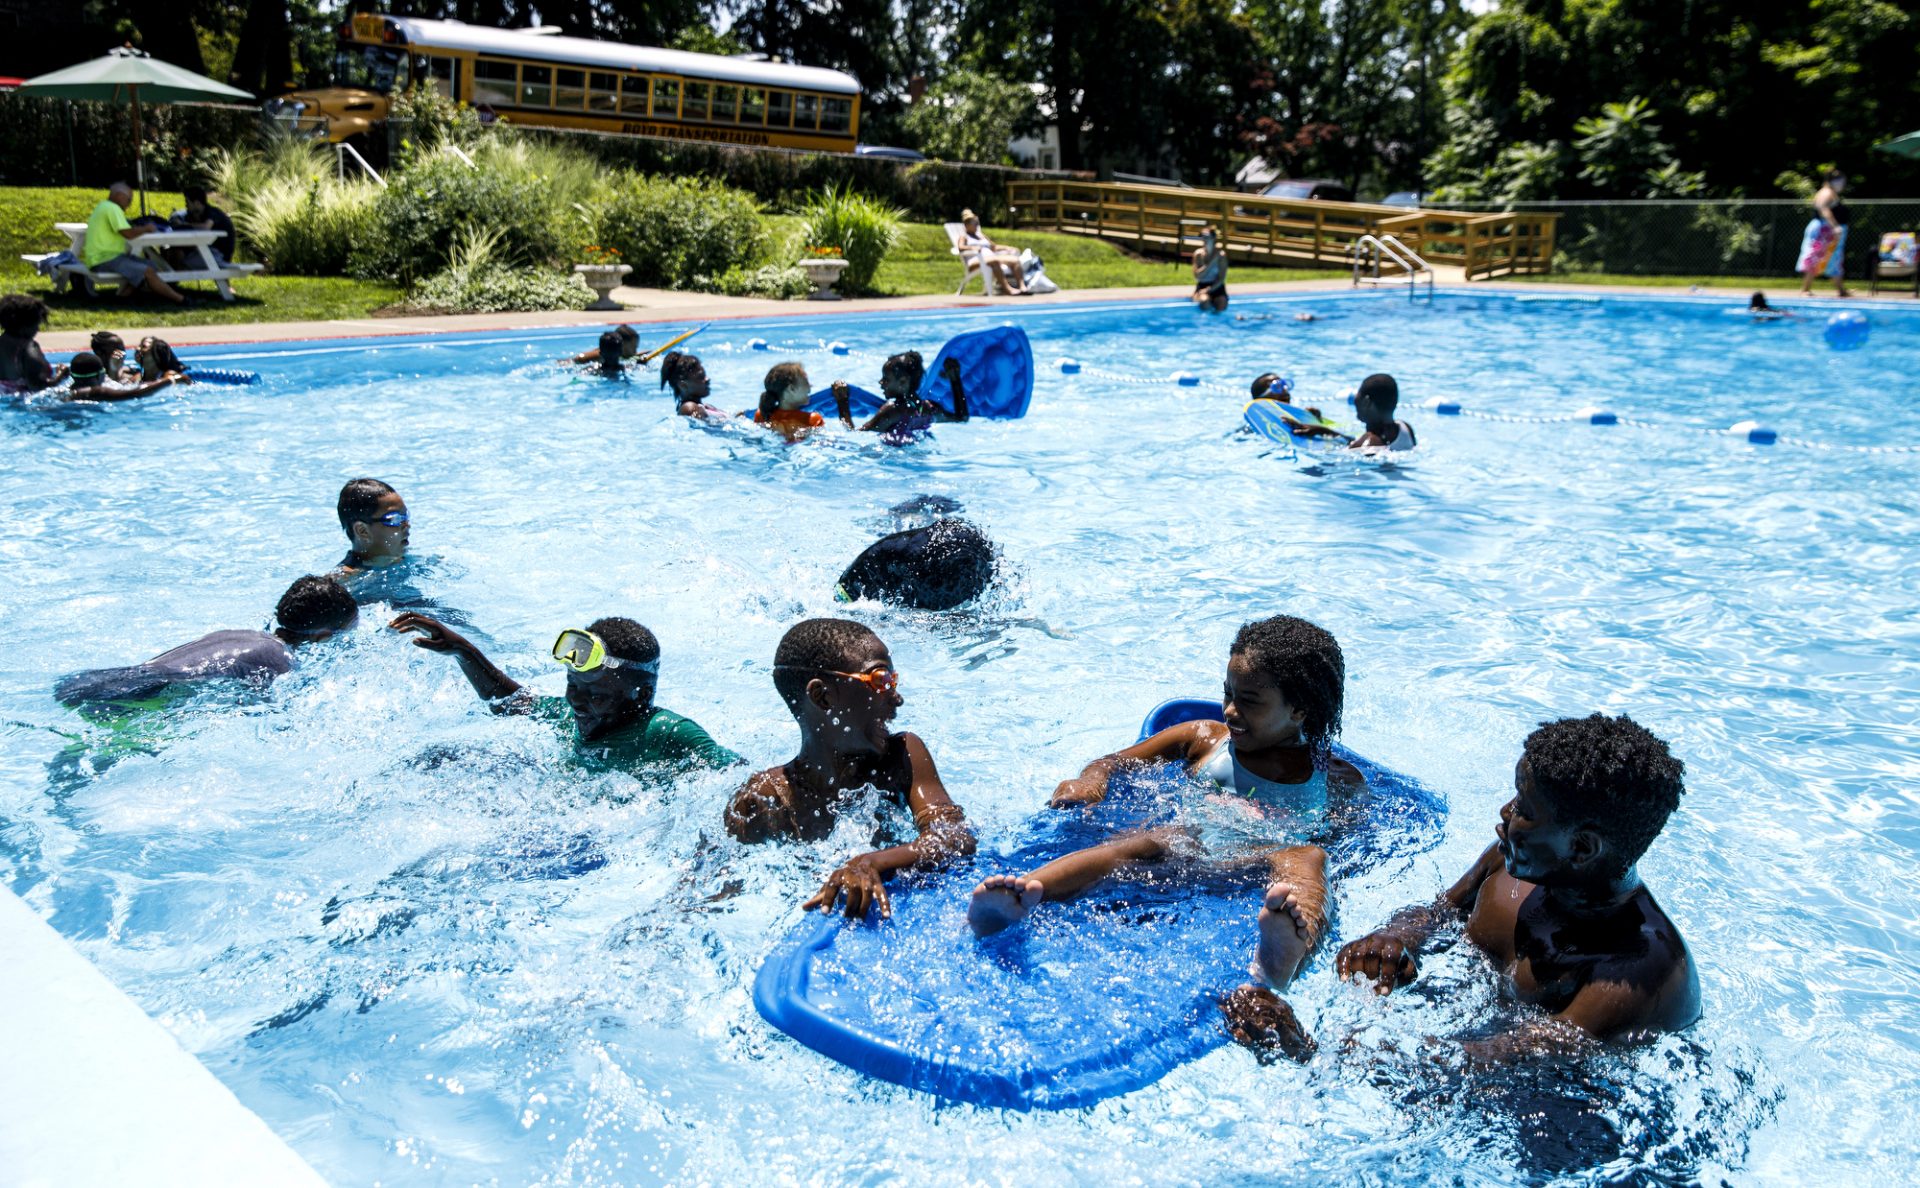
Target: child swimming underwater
x,y
906,414
840,685
1277,787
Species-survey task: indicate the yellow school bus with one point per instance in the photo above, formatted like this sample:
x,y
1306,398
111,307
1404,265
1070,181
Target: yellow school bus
x,y
532,77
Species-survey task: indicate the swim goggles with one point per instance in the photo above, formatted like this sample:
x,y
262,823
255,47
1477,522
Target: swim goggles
x,y
583,651
392,519
1281,386
884,680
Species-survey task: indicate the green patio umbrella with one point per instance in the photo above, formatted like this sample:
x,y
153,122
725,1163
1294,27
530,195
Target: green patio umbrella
x,y
1905,146
128,75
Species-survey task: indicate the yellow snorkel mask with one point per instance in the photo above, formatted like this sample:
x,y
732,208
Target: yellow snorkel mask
x,y
583,651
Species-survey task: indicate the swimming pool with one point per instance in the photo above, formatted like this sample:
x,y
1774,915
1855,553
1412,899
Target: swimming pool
x,y
425,953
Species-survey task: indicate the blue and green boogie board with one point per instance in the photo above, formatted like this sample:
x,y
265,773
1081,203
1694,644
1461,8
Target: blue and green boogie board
x,y
996,366
1087,999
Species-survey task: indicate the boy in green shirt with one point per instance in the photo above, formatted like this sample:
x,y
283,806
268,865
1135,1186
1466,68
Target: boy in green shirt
x,y
613,668
105,249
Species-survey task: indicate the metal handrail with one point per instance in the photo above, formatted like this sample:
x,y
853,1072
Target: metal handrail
x,y
1409,261
342,151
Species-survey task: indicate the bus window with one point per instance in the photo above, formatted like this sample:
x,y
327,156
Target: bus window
x,y
442,74
723,104
779,109
495,83
666,98
570,89
806,110
633,95
603,93
536,86
693,104
836,115
753,105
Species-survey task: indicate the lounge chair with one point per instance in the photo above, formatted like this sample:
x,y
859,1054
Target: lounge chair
x,y
1896,260
970,262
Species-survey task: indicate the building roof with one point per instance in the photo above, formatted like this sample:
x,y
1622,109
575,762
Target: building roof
x,y
612,55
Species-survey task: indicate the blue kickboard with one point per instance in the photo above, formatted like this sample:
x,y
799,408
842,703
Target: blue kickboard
x,y
860,402
1276,421
1088,998
996,367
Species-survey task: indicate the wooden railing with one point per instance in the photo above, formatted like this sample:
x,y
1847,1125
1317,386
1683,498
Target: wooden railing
x,y
1162,220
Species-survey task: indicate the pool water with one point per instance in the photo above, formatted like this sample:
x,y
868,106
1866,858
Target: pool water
x,y
426,951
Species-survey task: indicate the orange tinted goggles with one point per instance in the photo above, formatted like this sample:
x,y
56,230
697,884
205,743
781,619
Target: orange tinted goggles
x,y
881,680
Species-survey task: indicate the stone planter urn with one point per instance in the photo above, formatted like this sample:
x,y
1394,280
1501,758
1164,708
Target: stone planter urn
x,y
603,279
822,273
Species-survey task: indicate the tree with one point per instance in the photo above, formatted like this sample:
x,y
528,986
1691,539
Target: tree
x,y
969,116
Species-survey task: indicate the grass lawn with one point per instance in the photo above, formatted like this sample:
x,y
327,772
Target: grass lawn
x,y
27,217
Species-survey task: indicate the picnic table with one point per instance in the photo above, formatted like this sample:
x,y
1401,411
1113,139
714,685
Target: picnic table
x,y
154,244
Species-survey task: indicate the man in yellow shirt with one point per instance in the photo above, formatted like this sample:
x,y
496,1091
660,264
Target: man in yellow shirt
x,y
105,249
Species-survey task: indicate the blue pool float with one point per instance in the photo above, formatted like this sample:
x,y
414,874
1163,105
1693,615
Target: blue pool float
x,y
1091,998
996,365
221,375
1275,421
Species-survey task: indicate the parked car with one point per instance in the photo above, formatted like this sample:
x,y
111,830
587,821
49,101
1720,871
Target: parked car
x,y
1408,198
886,153
1312,189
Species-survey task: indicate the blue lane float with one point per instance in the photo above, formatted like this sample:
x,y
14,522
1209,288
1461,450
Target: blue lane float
x,y
1089,999
222,375
1847,330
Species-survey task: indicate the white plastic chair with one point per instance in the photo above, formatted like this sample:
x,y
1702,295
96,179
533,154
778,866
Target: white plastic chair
x,y
970,262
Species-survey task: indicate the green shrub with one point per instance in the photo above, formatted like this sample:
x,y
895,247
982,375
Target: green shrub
x,y
782,282
290,209
478,280
864,230
425,121
425,205
674,231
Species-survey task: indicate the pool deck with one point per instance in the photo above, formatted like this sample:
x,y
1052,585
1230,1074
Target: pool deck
x,y
662,305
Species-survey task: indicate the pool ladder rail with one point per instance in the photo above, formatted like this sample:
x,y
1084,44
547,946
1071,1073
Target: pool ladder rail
x,y
1367,252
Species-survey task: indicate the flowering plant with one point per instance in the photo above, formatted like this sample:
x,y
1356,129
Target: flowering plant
x,y
601,255
824,253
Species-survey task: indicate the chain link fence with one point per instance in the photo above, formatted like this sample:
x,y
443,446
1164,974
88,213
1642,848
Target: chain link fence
x,y
1733,238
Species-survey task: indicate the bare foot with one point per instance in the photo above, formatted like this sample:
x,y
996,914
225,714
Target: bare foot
x,y
1262,1022
1285,936
1001,902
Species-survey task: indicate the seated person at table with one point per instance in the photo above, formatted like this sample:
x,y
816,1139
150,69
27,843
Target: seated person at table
x,y
1278,389
1557,904
783,403
202,215
839,683
1374,404
90,382
1277,789
105,248
23,368
686,376
312,609
905,414
629,345
943,565
1210,273
613,669
998,259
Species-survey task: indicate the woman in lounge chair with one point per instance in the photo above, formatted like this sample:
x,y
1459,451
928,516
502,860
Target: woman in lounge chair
x,y
999,259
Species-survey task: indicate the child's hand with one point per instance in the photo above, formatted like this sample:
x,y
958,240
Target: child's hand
x,y
435,636
839,389
860,880
1076,792
951,369
755,817
1381,957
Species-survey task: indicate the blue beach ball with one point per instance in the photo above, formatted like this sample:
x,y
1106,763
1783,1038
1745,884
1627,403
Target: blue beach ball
x,y
1847,330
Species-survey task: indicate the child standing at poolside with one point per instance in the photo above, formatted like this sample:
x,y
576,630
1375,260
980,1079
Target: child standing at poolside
x,y
840,685
1375,404
1276,787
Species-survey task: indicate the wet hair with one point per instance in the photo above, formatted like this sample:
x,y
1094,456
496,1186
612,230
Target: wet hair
x,y
315,604
1266,383
610,351
164,360
195,194
1384,391
629,339
22,314
359,501
908,362
1758,301
675,365
939,567
779,378
626,639
1304,662
86,366
813,646
104,343
1611,775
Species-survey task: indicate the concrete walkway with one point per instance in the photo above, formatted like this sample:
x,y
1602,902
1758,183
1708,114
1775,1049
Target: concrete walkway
x,y
662,305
